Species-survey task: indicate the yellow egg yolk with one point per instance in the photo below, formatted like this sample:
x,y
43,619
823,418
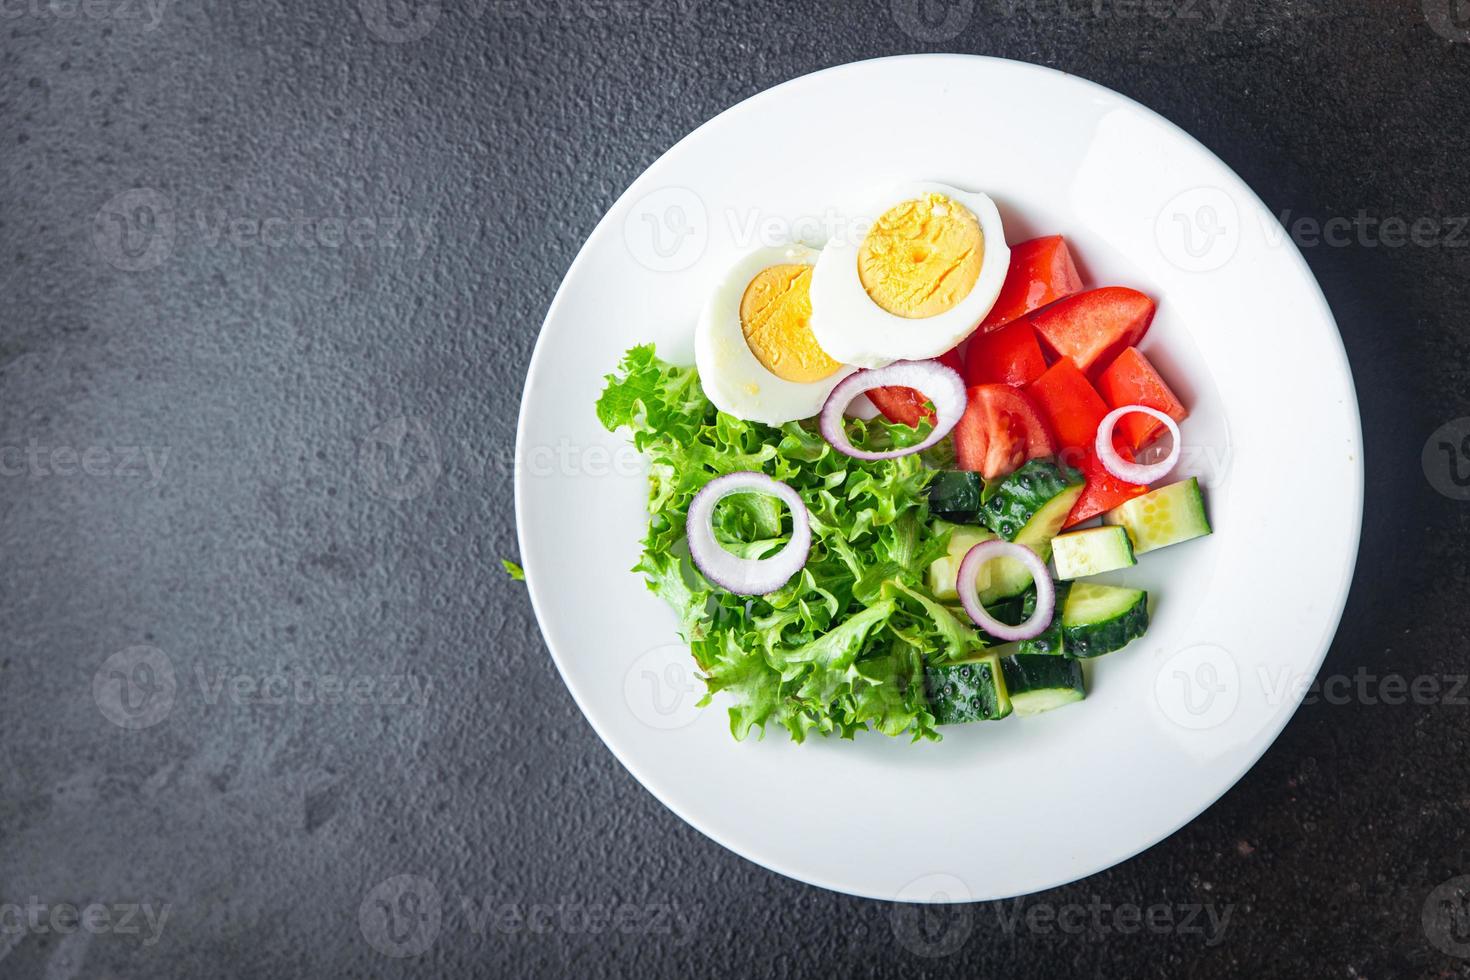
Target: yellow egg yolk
x,y
776,318
922,257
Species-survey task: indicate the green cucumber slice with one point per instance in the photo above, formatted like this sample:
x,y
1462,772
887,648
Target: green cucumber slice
x,y
956,492
999,579
1099,619
1049,643
1039,683
973,689
1033,492
1092,552
944,572
958,517
1029,508
1163,517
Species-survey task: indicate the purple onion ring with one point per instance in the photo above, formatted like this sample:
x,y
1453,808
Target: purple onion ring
x,y
1135,472
940,384
746,576
1046,592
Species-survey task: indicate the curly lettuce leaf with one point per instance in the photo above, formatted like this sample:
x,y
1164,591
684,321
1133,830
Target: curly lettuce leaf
x,y
841,647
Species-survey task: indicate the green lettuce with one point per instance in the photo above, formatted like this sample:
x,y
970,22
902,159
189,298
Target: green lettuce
x,y
841,647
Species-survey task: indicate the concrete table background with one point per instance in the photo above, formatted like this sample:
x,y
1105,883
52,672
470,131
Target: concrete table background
x,y
242,439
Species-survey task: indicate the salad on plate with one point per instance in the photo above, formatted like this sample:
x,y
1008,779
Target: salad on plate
x,y
879,499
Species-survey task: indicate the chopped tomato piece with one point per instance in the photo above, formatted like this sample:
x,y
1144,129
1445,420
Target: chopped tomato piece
x,y
906,406
1041,272
1132,380
1103,491
1070,404
1092,328
999,431
903,406
1010,355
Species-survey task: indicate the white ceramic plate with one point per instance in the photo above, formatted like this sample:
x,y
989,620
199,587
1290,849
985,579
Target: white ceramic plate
x,y
1242,619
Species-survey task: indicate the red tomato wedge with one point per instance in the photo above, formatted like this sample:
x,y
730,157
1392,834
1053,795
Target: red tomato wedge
x,y
999,431
906,406
1102,493
1070,405
1132,380
1041,272
1092,328
1009,356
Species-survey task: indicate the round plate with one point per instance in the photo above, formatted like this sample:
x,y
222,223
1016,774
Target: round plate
x,y
1242,619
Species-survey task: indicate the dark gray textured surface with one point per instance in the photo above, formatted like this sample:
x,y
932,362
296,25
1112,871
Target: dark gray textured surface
x,y
271,542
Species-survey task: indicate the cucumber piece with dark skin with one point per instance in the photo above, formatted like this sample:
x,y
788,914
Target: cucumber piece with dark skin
x,y
968,690
956,494
1013,612
1050,642
1015,502
969,518
1041,683
1098,619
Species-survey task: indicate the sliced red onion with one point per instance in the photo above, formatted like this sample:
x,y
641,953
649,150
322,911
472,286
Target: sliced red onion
x,y
1142,473
1046,592
747,576
862,408
940,384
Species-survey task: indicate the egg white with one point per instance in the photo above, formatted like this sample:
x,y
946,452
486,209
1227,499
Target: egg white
x,y
732,377
853,329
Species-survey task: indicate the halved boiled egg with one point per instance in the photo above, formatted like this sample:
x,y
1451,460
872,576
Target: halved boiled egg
x,y
919,281
754,347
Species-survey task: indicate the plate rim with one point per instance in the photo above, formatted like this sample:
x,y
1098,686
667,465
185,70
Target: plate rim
x,y
1338,349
